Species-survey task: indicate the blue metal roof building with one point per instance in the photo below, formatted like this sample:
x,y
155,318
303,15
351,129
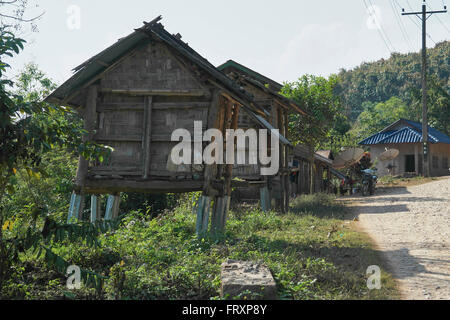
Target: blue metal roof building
x,y
405,131
406,136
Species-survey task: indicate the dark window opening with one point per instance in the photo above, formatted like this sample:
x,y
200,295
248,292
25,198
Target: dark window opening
x,y
410,164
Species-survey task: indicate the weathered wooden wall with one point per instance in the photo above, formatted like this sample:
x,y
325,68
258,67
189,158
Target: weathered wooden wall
x,y
139,103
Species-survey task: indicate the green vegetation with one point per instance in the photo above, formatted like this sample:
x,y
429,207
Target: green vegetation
x,y
322,106
152,252
357,103
312,252
376,93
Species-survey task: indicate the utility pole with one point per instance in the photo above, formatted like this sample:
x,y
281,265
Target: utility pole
x,y
423,16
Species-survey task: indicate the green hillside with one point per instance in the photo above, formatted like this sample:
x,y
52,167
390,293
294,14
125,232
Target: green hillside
x,y
369,84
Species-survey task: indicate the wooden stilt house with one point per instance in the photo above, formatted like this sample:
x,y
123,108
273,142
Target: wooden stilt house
x,y
265,92
132,96
300,171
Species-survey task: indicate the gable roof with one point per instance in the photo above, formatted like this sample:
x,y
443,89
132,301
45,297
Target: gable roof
x,y
257,80
90,70
251,73
288,103
409,132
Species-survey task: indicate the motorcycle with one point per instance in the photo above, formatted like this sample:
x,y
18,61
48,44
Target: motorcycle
x,y
369,182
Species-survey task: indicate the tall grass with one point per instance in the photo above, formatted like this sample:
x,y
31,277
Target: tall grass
x,y
319,204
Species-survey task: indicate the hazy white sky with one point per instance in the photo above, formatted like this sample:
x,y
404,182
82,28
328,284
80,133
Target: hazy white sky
x,y
281,39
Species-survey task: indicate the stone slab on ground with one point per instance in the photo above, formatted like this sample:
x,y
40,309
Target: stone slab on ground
x,y
242,276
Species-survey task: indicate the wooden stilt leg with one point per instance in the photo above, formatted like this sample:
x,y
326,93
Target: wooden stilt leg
x,y
264,199
203,215
95,208
287,192
216,215
115,209
221,207
112,207
226,207
75,208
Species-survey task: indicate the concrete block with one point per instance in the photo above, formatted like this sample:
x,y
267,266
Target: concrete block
x,y
239,276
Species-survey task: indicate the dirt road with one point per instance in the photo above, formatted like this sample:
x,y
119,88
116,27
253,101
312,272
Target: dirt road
x,y
412,227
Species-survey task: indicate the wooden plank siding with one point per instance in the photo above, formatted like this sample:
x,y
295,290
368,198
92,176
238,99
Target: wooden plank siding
x,y
137,122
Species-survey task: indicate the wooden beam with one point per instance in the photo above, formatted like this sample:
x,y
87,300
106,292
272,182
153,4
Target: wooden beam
x,y
282,201
121,107
131,138
147,139
101,186
181,105
230,97
89,124
161,92
286,161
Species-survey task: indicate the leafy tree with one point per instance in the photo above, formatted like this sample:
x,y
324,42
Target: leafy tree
x,y
317,97
13,15
400,76
375,117
30,128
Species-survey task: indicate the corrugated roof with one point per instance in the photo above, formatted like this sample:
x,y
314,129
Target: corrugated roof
x,y
405,135
433,133
376,138
411,132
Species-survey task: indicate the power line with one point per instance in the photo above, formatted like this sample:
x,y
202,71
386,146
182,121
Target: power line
x,y
423,16
379,31
439,19
401,26
382,30
414,21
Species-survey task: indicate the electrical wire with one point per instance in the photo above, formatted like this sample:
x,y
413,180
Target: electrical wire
x,y
379,31
439,19
414,21
382,30
401,26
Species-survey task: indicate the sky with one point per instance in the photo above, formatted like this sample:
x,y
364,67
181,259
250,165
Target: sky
x,y
281,39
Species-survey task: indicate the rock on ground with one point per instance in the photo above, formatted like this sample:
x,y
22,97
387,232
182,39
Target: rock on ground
x,y
241,276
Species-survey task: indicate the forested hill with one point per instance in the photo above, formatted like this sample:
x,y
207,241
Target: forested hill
x,y
399,76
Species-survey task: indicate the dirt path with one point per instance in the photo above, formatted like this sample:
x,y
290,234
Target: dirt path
x,y
412,227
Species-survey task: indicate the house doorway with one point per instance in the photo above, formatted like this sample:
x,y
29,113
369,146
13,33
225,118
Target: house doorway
x,y
410,165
